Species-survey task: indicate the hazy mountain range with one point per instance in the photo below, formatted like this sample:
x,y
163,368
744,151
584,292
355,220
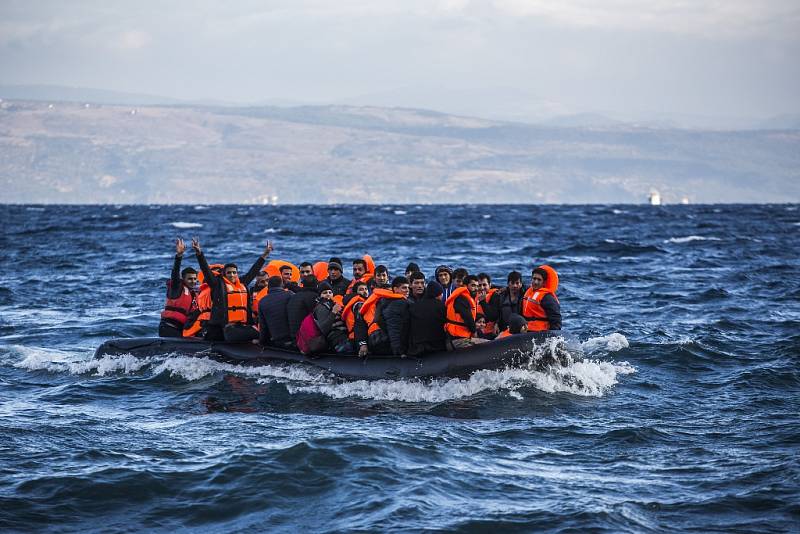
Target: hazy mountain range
x,y
70,148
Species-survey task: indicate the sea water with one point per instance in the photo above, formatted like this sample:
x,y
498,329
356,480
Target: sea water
x,y
678,411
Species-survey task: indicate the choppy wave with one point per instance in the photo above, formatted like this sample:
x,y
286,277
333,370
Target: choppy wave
x,y
186,225
690,238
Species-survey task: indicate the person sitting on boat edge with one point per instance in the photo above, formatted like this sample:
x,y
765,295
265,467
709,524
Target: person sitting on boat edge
x,y
181,296
301,304
426,322
273,319
540,306
416,283
337,281
516,325
328,316
461,311
230,304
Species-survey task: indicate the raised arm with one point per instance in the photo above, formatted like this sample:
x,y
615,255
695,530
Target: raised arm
x,y
251,274
201,260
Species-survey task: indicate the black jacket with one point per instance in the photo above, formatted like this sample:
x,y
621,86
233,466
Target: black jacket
x,y
462,307
507,307
330,324
300,305
396,322
426,326
273,320
219,296
552,310
339,286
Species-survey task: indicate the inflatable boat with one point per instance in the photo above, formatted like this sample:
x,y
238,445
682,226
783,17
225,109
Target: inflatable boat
x,y
511,351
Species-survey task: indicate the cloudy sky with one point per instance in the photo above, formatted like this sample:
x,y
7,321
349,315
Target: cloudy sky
x,y
625,58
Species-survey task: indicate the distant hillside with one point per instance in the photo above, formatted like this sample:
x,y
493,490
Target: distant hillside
x,y
65,152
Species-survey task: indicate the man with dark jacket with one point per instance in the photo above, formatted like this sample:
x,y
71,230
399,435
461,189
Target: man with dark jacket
x,y
396,318
460,313
510,299
219,327
301,304
335,278
273,320
444,275
416,284
426,322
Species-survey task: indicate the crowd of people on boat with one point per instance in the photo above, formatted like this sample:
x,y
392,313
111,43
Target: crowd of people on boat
x,y
315,309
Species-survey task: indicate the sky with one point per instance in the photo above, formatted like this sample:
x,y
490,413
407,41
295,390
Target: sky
x,y
629,59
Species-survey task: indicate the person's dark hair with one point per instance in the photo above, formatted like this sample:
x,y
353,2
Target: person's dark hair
x,y
275,281
412,268
310,282
357,285
304,264
416,275
541,272
484,276
399,281
324,286
514,276
515,323
470,278
360,261
228,265
186,271
433,290
284,267
479,316
381,269
460,273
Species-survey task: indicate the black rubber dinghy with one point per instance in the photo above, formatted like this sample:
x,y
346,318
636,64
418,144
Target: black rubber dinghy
x,y
511,351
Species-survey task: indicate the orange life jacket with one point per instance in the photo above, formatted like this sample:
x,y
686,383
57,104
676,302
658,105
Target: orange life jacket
x,y
489,328
366,278
204,308
504,333
263,292
349,316
370,306
237,298
454,324
532,309
177,310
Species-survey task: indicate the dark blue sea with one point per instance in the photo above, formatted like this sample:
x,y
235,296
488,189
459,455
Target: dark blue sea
x,y
679,413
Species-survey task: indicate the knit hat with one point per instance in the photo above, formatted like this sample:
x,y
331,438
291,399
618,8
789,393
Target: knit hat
x,y
323,286
515,323
334,265
433,290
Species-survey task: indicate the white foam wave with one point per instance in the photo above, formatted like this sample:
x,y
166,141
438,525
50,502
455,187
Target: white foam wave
x,y
584,377
400,212
201,207
184,225
610,343
618,212
487,216
689,238
272,230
